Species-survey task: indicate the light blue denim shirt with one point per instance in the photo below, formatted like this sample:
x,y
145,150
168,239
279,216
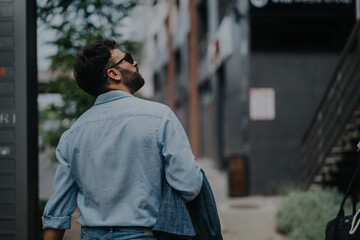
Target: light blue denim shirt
x,y
112,162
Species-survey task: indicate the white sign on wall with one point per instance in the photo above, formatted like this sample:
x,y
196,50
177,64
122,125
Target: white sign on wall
x,y
262,104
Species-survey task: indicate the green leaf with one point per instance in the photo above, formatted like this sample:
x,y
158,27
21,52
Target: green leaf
x,y
76,24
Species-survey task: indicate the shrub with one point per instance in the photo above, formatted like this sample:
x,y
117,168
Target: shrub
x,y
304,214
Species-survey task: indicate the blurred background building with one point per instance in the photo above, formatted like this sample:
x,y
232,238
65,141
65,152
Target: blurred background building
x,y
263,67
245,78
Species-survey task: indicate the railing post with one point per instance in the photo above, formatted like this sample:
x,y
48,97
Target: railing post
x,y
304,161
320,135
339,102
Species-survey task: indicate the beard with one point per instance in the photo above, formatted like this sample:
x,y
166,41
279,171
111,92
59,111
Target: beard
x,y
132,80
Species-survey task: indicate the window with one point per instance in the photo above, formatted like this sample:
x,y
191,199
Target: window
x,y
178,63
157,84
155,40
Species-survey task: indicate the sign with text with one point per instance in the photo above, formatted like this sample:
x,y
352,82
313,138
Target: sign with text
x,y
18,121
262,104
7,118
6,151
321,7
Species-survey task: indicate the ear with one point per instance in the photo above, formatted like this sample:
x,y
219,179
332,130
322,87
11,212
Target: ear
x,y
114,74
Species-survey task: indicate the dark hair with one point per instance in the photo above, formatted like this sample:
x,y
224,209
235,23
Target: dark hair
x,y
90,66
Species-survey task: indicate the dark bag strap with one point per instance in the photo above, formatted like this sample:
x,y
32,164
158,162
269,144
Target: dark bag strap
x,y
355,179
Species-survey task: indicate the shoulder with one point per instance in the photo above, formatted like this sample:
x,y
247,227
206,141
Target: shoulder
x,y
62,144
152,108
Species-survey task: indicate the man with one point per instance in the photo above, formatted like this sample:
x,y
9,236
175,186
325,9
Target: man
x,y
113,160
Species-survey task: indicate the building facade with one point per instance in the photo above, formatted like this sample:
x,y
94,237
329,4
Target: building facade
x,y
262,66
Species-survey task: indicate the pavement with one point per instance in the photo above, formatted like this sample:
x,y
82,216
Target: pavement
x,y
242,218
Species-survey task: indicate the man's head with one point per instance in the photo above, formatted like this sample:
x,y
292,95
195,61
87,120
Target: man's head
x,y
102,67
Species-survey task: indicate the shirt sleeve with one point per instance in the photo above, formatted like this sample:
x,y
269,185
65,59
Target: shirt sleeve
x,y
62,202
181,171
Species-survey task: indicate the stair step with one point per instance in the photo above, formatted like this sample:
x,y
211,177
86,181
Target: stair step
x,y
332,160
318,179
349,140
357,114
337,150
325,170
341,185
340,164
351,127
335,181
341,169
357,120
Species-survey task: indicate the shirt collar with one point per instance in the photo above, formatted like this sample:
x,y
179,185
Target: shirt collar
x,y
111,96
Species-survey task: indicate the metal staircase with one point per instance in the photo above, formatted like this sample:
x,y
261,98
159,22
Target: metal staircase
x,y
329,144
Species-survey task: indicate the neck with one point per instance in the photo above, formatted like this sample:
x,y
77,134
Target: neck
x,y
121,88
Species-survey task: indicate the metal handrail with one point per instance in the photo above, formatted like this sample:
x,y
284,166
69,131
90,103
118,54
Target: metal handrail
x,y
327,126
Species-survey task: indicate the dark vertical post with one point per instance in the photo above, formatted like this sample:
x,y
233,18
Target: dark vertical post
x,y
32,122
220,116
193,82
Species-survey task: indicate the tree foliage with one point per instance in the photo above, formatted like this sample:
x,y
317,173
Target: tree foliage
x,y
77,23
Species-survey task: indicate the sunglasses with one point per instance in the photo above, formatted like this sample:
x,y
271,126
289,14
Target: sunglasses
x,y
127,58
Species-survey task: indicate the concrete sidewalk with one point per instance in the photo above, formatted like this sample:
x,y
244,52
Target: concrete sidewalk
x,y
242,218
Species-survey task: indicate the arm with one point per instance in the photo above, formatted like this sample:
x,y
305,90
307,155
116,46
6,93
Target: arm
x,y
62,202
181,171
53,234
